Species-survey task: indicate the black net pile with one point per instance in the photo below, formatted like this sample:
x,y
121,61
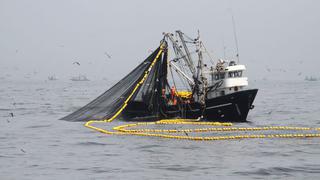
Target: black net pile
x,y
110,102
149,102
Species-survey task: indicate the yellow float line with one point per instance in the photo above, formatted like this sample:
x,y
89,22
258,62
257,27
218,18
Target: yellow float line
x,y
122,130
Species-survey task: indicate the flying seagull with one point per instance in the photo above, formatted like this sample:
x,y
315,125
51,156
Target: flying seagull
x,y
108,55
77,63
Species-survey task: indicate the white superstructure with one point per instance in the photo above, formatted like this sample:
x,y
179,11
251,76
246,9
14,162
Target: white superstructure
x,y
226,78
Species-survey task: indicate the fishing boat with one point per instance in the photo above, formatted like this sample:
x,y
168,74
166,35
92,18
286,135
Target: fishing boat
x,y
52,78
311,78
190,84
79,78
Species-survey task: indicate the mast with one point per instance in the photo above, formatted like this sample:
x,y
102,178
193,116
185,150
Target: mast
x,y
181,54
199,84
235,37
203,80
189,59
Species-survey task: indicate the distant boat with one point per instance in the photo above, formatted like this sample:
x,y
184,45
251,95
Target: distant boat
x,y
310,78
80,78
52,78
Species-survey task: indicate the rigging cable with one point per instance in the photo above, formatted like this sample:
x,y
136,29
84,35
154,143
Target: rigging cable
x,y
207,52
175,86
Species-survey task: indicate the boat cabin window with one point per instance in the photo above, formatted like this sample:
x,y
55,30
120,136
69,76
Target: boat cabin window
x,y
235,74
220,75
231,74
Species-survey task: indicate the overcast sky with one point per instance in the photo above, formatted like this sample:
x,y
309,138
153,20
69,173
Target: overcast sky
x,y
38,38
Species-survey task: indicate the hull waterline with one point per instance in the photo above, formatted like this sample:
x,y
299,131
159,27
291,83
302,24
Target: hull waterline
x,y
232,107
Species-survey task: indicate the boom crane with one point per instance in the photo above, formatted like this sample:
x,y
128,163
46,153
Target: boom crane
x,y
188,59
199,84
181,54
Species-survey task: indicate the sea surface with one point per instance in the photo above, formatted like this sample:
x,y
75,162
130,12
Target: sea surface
x,y
34,144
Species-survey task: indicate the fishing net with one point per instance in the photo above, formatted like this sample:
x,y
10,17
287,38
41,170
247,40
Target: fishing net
x,y
148,103
111,101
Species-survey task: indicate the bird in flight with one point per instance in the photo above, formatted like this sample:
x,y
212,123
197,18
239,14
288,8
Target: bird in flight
x,y
77,63
108,55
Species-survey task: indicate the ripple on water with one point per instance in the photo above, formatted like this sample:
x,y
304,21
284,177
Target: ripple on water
x,y
189,147
110,154
313,168
7,157
33,165
175,167
5,109
82,169
94,144
104,170
144,147
282,171
263,172
39,126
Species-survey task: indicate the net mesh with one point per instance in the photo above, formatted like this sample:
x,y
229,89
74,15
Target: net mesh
x,y
107,104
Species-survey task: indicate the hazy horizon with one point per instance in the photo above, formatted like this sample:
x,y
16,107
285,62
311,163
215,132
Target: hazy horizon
x,y
39,38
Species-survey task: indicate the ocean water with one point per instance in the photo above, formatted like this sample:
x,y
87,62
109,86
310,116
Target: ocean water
x,y
34,144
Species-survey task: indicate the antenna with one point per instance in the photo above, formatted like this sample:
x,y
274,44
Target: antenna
x,y
224,49
235,36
